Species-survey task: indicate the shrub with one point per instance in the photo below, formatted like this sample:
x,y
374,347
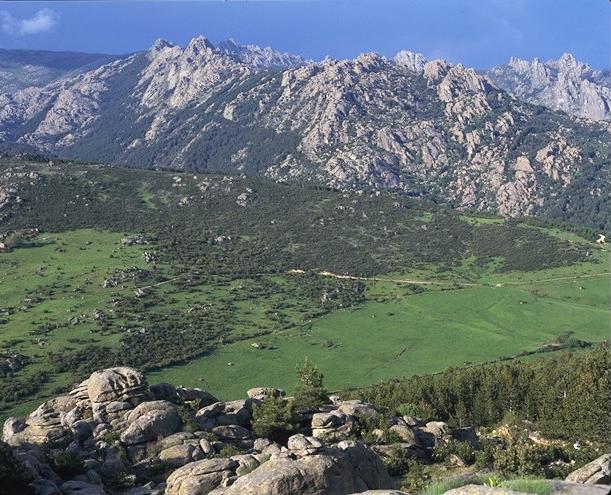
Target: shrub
x,y
66,464
274,419
398,462
464,450
310,392
228,451
408,409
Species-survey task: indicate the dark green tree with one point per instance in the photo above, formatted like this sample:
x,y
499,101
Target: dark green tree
x,y
274,419
310,392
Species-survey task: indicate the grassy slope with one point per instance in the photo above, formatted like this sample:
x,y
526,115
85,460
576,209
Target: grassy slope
x,y
419,333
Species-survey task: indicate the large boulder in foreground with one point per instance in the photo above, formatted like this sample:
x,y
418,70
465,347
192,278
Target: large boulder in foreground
x,y
200,477
594,473
349,468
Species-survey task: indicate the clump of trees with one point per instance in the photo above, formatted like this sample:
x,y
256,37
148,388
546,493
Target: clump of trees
x,y
567,396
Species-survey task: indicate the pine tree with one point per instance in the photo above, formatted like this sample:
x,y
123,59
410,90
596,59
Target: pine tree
x,y
310,392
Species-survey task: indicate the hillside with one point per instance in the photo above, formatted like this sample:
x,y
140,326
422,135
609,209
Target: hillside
x,y
21,69
231,280
428,129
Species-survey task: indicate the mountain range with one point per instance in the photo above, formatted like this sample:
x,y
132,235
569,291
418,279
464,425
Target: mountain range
x,y
492,140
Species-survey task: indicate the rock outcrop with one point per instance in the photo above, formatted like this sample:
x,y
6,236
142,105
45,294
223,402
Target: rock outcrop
x,y
564,84
113,434
594,473
115,427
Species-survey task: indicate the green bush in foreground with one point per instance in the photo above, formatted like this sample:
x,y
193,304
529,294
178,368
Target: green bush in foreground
x,y
274,419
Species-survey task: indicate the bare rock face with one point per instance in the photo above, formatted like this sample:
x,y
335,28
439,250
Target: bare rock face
x,y
594,473
350,468
116,384
42,425
411,60
564,84
199,477
150,421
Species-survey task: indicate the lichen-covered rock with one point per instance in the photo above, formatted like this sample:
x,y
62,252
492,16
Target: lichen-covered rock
x,y
44,424
352,469
200,477
179,455
593,473
261,393
151,421
231,432
332,426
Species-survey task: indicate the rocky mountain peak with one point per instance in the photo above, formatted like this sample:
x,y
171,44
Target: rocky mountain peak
x,y
199,44
259,57
436,70
412,61
161,44
564,84
567,61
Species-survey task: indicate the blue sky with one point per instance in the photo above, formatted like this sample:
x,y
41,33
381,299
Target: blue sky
x,y
477,33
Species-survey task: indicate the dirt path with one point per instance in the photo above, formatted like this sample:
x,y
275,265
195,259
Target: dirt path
x,y
381,279
557,279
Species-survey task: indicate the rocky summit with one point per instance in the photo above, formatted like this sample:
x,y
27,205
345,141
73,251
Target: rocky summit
x,y
424,128
115,434
564,84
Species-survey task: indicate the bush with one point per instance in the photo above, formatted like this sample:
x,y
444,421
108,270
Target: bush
x,y
463,450
14,479
398,462
521,456
310,392
274,419
408,409
228,451
66,464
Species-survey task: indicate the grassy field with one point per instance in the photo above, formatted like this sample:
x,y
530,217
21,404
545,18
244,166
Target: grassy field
x,y
401,329
412,334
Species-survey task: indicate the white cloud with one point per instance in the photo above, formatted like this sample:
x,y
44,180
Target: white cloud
x,y
41,22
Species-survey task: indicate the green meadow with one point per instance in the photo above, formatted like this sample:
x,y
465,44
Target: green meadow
x,y
420,333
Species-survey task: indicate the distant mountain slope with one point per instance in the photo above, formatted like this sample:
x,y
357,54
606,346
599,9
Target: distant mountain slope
x,y
564,84
427,129
256,56
22,68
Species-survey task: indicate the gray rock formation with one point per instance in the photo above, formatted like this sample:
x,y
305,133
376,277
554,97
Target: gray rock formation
x,y
594,473
349,468
114,427
564,84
